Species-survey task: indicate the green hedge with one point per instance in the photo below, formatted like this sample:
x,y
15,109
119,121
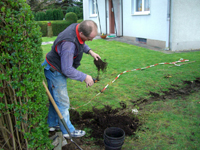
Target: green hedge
x,y
23,100
43,27
79,21
57,26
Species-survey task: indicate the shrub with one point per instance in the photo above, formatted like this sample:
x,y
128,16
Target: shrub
x,y
73,9
40,16
71,17
77,10
49,14
23,100
80,15
58,14
55,14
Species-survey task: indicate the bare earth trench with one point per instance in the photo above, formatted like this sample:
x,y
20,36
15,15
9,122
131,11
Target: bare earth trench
x,y
100,119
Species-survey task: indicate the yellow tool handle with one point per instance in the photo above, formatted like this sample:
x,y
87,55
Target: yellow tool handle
x,y
52,101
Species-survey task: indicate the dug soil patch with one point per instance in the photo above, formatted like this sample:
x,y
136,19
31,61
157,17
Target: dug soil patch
x,y
100,119
172,93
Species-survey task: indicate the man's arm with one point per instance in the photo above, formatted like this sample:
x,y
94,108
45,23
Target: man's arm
x,y
89,51
67,50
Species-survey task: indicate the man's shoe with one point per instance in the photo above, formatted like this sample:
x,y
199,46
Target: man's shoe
x,y
56,128
76,133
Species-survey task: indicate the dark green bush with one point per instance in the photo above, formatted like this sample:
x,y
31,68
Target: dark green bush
x,y
23,100
58,14
55,14
71,17
80,15
40,16
49,14
77,10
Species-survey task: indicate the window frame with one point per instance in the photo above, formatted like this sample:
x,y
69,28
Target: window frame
x,y
91,7
133,8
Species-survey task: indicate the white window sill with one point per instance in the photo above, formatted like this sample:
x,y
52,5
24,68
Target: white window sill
x,y
93,15
141,13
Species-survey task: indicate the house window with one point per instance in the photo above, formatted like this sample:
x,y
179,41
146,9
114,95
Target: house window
x,y
93,8
140,7
141,40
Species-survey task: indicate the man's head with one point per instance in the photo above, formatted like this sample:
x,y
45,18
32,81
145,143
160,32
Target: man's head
x,y
87,30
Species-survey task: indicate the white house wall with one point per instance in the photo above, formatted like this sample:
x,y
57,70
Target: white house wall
x,y
184,28
86,12
185,33
153,26
85,9
101,21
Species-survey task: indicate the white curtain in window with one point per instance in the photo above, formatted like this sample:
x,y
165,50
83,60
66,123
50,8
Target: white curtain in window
x,y
142,5
146,5
94,10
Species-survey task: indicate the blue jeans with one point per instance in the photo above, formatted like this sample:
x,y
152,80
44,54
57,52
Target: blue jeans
x,y
57,85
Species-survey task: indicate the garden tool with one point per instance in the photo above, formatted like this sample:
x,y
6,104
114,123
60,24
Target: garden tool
x,y
60,115
95,80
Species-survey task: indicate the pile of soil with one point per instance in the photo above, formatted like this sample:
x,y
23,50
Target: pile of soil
x,y
100,119
101,65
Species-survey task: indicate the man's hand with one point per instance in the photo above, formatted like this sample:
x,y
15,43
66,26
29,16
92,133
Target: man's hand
x,y
89,81
93,54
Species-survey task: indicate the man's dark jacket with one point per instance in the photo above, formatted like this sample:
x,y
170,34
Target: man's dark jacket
x,y
69,34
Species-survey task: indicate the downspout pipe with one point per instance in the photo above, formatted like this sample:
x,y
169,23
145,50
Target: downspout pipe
x,y
122,15
106,14
98,16
169,25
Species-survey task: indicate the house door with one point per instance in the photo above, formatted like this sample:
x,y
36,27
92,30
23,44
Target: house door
x,y
111,18
115,17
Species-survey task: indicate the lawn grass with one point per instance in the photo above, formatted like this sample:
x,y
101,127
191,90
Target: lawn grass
x,y
49,39
173,124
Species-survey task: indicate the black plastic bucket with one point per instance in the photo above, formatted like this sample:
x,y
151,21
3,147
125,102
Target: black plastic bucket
x,y
112,147
113,138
